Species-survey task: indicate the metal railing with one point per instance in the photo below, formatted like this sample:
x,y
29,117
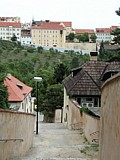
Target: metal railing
x,y
15,139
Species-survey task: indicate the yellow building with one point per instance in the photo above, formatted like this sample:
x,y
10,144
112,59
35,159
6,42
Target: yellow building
x,y
49,34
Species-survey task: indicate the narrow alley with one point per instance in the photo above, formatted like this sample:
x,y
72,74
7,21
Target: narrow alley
x,y
56,142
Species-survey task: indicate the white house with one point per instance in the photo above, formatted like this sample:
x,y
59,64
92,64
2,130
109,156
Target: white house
x,y
8,29
19,95
26,37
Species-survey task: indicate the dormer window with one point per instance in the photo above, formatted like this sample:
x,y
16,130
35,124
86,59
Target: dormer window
x,y
19,85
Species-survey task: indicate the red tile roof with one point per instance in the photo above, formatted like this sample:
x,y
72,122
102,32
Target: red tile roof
x,y
13,24
49,25
81,31
67,24
113,27
103,30
17,90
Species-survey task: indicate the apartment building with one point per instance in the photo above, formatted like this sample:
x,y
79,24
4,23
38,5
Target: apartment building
x,y
104,34
9,19
7,29
26,34
66,25
48,34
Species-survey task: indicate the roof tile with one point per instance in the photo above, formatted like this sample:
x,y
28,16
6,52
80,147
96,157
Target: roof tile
x,y
17,90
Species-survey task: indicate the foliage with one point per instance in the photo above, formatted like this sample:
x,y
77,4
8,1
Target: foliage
x,y
30,49
71,36
110,56
93,38
118,11
116,34
3,93
88,150
101,51
60,71
74,62
79,37
40,49
83,37
86,110
51,65
14,38
53,99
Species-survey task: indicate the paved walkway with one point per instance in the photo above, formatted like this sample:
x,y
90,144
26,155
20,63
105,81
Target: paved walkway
x,y
56,142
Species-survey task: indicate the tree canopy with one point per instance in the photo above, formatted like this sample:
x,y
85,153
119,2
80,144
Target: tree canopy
x,y
118,11
3,93
71,36
93,38
14,38
27,62
83,37
116,32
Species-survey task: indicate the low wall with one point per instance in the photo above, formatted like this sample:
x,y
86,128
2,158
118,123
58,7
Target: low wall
x,y
81,46
76,120
110,120
91,128
16,133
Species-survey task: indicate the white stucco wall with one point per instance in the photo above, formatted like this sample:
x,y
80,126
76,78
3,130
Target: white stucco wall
x,y
26,40
27,105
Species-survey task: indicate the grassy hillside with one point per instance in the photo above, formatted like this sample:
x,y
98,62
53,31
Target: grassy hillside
x,y
18,59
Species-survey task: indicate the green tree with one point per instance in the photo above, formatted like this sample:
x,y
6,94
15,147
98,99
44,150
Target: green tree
x,y
3,93
14,38
71,36
40,49
53,100
118,11
74,62
93,38
85,37
116,32
60,71
79,37
101,51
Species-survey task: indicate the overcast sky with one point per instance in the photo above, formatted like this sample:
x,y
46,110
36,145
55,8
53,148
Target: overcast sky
x,y
82,13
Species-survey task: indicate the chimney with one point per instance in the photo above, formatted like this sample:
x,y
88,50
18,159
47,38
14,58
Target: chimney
x,y
93,56
9,76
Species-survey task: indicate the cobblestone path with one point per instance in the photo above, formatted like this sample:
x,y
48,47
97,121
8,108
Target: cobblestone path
x,y
56,142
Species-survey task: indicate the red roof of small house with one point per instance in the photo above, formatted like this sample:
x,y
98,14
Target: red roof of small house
x,y
49,26
103,30
13,24
17,90
81,31
113,27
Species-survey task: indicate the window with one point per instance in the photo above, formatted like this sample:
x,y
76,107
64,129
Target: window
x,y
96,102
79,100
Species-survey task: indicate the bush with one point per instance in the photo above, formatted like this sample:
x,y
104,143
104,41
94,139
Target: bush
x,y
30,50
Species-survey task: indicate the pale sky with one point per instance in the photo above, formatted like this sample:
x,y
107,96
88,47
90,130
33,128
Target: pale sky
x,y
87,14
